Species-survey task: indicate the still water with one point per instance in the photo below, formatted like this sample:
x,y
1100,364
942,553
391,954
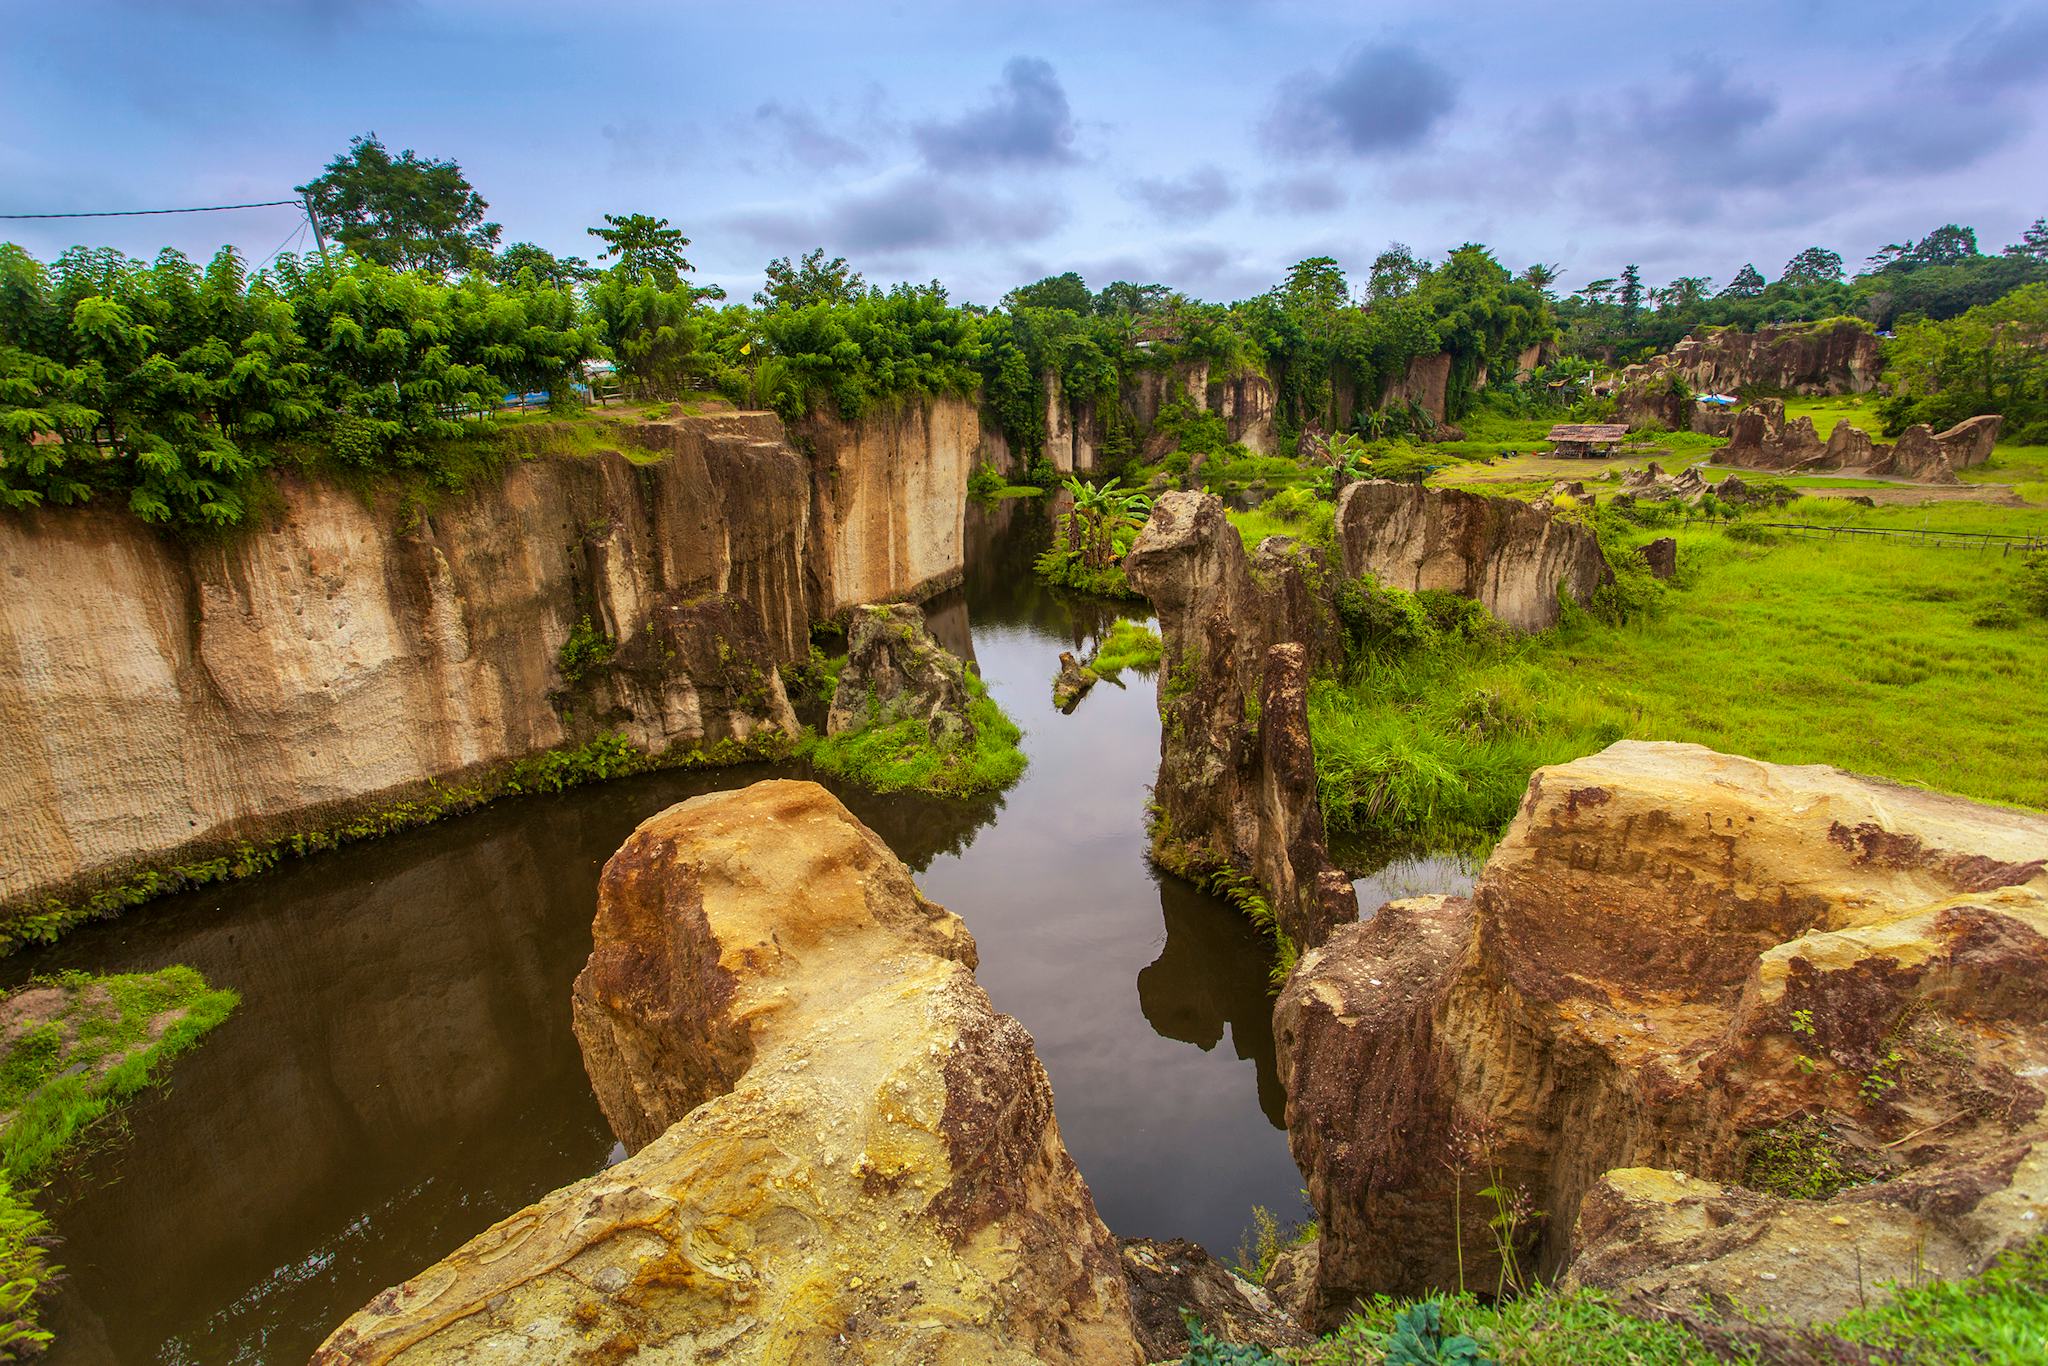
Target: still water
x,y
401,1072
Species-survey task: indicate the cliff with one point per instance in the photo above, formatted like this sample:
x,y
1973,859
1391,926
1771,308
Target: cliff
x,y
840,1150
163,700
1803,358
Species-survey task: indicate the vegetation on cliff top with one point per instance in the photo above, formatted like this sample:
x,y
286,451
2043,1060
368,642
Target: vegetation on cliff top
x,y
71,1048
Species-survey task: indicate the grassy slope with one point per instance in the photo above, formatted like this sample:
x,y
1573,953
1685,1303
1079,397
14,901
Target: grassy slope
x,y
1867,656
903,756
60,1075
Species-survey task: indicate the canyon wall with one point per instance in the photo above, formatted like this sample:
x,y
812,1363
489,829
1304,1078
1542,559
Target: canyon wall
x,y
162,699
1800,358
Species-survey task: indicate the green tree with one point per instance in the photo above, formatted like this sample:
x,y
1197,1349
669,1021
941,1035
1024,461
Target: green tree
x,y
1394,274
556,272
405,212
814,280
1747,284
643,249
1541,276
1067,293
1316,286
1631,291
1123,297
1814,266
1988,360
1687,291
2033,243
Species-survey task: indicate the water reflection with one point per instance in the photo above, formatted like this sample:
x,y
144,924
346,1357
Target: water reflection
x,y
402,1072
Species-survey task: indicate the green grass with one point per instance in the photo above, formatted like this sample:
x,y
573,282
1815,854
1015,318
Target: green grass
x,y
1543,1328
1127,645
2000,1316
904,755
1866,656
1295,513
107,1039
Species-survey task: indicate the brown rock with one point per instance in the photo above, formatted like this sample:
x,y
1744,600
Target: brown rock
x,y
895,671
1800,358
1661,937
1425,383
853,1156
1918,455
1291,1281
1232,791
1662,557
1072,683
1167,1279
1969,442
1501,551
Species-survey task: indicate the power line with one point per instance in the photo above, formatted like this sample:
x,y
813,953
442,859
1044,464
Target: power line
x,y
140,213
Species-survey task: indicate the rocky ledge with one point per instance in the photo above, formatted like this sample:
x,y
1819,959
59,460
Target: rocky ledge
x,y
842,1152
1776,1033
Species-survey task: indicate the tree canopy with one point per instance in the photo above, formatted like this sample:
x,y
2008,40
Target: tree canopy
x,y
405,212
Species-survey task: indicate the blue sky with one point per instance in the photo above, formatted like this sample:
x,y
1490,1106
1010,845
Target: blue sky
x,y
1206,145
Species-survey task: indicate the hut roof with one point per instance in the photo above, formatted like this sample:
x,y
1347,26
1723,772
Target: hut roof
x,y
1591,432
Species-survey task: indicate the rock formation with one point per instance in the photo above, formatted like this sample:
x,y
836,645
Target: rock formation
x,y
1501,551
1425,382
1672,956
888,499
1236,773
1661,555
1072,683
894,672
1169,1279
164,700
1762,438
843,1153
1652,483
1800,358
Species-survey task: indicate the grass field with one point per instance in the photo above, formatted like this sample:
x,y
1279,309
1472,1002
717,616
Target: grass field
x,y
1914,663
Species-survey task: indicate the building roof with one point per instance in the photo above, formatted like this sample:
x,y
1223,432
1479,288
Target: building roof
x,y
1589,431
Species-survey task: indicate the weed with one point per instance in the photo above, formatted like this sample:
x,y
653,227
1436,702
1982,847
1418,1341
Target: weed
x,y
1800,1160
586,648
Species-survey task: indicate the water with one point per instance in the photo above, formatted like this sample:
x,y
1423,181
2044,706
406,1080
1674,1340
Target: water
x,y
401,1072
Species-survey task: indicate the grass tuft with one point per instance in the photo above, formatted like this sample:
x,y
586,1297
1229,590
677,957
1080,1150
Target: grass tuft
x,y
905,756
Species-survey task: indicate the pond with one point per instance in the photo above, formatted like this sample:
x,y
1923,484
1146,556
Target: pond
x,y
401,1072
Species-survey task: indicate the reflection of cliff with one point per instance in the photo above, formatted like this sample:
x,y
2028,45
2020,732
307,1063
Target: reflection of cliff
x,y
1211,974
400,1073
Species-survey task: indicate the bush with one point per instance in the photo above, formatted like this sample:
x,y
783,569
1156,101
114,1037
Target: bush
x,y
986,484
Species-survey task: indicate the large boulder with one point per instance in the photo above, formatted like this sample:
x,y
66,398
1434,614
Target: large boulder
x,y
1674,958
1236,785
1917,455
1761,437
842,1152
1169,1280
1969,442
1503,552
895,671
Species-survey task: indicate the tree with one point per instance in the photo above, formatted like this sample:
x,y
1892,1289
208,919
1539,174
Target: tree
x,y
557,272
2033,244
1598,292
1814,266
405,212
1317,285
1631,291
1945,246
1394,274
1121,296
812,281
1687,291
644,249
1068,293
1747,284
1541,276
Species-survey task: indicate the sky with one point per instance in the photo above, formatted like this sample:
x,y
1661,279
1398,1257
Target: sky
x,y
1204,144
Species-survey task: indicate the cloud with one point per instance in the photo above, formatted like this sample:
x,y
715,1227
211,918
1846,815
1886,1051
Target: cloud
x,y
1196,197
806,138
1305,194
1026,121
913,210
1381,99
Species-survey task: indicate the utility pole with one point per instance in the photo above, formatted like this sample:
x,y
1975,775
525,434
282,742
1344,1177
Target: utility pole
x,y
313,217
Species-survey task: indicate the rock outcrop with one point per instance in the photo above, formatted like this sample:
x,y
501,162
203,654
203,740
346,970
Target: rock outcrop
x,y
162,701
1236,782
1672,956
1425,382
1072,682
888,501
1762,438
843,1153
1500,551
1651,482
1661,555
1800,358
894,672
1169,1279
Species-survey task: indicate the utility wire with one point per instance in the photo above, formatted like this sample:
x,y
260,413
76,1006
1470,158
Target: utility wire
x,y
139,213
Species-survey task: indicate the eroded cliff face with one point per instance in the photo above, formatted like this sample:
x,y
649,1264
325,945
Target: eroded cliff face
x,y
161,699
842,1152
1514,558
888,501
1797,357
1236,782
1672,954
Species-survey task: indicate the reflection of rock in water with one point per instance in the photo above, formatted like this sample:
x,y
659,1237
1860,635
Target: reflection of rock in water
x,y
945,616
917,826
1212,973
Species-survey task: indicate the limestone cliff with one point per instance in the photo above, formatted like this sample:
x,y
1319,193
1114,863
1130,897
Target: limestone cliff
x,y
1802,358
842,1152
1512,557
161,698
1671,956
1236,782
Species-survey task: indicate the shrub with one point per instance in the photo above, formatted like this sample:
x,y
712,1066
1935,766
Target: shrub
x,y
986,484
586,648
